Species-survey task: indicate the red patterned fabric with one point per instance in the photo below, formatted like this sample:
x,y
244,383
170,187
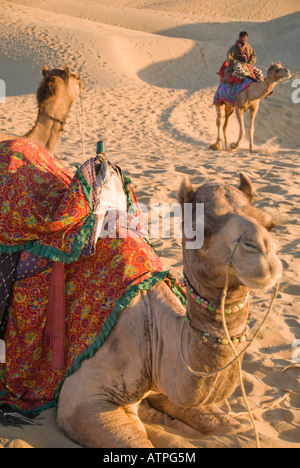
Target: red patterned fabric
x,y
40,200
43,207
97,289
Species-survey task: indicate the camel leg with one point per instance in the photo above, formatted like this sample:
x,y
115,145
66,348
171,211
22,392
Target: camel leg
x,y
253,112
101,424
240,117
202,419
228,113
151,415
217,145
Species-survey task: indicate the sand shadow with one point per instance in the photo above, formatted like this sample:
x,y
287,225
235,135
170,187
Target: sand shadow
x,y
20,77
199,66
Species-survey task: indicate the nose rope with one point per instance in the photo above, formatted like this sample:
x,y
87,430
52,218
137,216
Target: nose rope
x,y
81,123
237,356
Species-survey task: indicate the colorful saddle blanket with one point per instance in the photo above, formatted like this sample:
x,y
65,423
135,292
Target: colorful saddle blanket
x,y
101,277
43,207
229,93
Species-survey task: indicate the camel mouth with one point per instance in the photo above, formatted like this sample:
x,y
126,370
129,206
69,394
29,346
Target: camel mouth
x,y
264,284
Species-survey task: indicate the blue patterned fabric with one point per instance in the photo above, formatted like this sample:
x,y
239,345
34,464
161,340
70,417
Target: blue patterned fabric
x,y
229,93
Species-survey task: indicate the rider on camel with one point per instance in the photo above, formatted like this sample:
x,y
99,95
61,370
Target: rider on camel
x,y
240,62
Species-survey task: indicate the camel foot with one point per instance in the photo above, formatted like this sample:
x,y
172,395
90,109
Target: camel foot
x,y
216,146
233,146
202,419
229,149
253,151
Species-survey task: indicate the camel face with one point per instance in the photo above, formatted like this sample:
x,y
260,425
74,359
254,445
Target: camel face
x,y
276,72
58,82
232,223
255,261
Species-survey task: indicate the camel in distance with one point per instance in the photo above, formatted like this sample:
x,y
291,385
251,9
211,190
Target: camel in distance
x,y
248,99
55,96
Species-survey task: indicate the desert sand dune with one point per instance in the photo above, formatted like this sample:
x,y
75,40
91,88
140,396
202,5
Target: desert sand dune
x,y
149,70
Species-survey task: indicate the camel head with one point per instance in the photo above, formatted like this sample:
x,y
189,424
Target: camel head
x,y
57,91
276,72
230,222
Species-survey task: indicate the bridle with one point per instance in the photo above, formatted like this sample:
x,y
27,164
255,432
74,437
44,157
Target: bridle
x,y
230,340
54,119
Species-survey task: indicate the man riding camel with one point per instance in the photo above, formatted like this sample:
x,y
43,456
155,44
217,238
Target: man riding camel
x,y
240,62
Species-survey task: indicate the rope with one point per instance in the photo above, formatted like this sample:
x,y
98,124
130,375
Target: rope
x,y
211,374
237,356
81,125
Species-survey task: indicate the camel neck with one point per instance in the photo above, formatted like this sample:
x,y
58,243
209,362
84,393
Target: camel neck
x,y
46,131
264,88
211,307
206,315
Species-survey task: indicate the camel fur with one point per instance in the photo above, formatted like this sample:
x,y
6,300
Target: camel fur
x,y
100,403
248,99
55,95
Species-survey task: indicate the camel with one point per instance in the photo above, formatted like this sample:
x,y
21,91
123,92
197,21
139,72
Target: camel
x,y
248,99
146,354
55,95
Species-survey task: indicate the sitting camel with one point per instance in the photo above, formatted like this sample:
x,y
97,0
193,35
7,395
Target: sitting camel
x,y
55,95
155,337
249,98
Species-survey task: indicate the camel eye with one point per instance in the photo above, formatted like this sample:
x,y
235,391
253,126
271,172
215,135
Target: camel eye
x,y
250,247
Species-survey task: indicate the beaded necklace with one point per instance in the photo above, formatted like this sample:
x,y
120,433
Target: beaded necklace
x,y
204,302
204,336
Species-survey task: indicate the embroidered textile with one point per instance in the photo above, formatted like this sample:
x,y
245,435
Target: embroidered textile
x,y
43,208
229,93
97,287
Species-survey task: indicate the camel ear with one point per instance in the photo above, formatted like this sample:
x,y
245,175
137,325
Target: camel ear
x,y
45,71
246,187
186,193
67,72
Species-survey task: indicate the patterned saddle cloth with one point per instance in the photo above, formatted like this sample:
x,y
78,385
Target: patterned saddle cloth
x,y
229,92
101,275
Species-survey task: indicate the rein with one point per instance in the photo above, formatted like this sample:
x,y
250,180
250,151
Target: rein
x,y
61,122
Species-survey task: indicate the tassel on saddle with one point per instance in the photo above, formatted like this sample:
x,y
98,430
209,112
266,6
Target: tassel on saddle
x,y
8,267
55,326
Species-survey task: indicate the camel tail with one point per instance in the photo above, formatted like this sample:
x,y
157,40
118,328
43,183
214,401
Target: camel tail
x,y
11,417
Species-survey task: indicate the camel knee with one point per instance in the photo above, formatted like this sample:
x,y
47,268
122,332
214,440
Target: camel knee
x,y
101,424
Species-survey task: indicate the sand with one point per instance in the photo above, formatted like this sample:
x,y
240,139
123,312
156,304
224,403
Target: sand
x,y
149,69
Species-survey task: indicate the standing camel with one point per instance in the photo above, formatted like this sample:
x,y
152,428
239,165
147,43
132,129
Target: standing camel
x,y
155,336
247,99
55,95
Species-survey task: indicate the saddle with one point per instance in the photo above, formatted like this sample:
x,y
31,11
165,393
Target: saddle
x,y
11,266
108,189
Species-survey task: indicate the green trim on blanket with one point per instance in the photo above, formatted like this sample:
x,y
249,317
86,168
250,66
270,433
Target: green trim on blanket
x,y
37,248
127,182
112,320
108,325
